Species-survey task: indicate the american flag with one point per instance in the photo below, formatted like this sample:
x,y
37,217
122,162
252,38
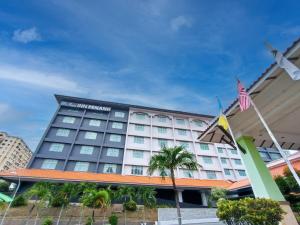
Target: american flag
x,y
244,98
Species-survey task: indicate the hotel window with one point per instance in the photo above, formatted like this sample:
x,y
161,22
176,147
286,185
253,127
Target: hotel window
x,y
110,168
181,132
73,110
138,140
184,144
274,155
224,161
221,150
113,152
68,119
62,132
180,121
207,160
139,127
95,123
264,155
90,135
81,166
242,173
188,174
233,151
86,150
227,172
137,170
199,123
165,173
117,125
237,161
204,146
137,154
162,130
140,116
211,175
162,119
49,164
120,114
115,138
162,143
56,147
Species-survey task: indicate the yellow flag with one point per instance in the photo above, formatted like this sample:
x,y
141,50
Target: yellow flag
x,y
223,122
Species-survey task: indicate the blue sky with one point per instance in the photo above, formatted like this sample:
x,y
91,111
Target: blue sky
x,y
164,53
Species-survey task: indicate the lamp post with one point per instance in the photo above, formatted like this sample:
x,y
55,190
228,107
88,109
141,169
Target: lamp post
x,y
14,195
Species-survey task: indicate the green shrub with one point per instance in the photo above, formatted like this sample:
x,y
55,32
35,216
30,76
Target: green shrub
x,y
130,205
250,211
218,193
19,201
47,221
282,184
89,221
3,186
113,219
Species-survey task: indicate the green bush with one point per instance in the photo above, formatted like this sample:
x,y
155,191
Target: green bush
x,y
282,184
3,186
249,211
218,193
89,221
113,219
19,201
130,205
47,221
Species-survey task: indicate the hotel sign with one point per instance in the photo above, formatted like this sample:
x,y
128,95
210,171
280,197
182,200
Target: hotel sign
x,y
86,106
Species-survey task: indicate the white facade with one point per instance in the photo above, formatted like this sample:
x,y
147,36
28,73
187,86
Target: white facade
x,y
148,130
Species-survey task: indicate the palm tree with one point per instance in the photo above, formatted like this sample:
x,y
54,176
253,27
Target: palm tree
x,y
147,195
169,159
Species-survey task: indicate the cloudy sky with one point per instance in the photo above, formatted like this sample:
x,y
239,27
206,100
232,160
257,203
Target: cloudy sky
x,y
165,53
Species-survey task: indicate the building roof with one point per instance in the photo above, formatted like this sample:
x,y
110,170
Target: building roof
x,y
71,176
61,98
278,98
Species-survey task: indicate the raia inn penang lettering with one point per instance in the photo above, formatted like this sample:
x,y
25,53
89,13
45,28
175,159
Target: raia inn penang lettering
x,y
86,106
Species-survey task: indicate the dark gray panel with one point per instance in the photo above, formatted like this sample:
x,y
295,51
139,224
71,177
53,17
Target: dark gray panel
x,y
52,135
112,115
76,153
96,115
109,143
81,140
37,164
71,166
58,122
101,167
69,111
44,149
85,125
109,159
110,129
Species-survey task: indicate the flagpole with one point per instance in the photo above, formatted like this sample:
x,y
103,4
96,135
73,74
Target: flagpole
x,y
276,142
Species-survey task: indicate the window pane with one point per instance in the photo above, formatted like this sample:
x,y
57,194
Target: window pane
x,y
120,114
115,138
188,174
163,143
56,147
162,119
140,116
81,166
181,132
62,132
237,161
224,161
180,121
90,135
207,160
227,172
49,164
138,140
117,125
137,154
112,152
221,150
211,175
184,144
162,130
275,156
204,146
138,127
233,151
199,123
68,119
87,150
137,170
95,123
242,173
110,168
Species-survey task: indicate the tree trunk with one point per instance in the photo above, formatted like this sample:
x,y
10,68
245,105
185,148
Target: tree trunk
x,y
176,197
29,214
61,210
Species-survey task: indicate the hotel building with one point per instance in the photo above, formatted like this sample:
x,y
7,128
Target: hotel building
x,y
14,153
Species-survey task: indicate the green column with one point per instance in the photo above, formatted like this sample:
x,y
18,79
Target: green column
x,y
261,180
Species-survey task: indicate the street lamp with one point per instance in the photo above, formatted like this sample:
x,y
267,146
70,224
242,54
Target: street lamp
x,y
14,195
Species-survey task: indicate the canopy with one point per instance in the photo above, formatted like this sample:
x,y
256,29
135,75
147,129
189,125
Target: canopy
x,y
277,97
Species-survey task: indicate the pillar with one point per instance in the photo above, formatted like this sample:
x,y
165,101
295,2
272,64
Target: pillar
x,y
180,195
261,180
204,198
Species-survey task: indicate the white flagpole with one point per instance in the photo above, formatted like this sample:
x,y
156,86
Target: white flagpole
x,y
231,133
276,142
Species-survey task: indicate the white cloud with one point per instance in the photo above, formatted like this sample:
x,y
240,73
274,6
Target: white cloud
x,y
40,79
180,22
8,114
26,35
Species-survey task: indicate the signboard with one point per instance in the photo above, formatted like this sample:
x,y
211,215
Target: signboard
x,y
86,106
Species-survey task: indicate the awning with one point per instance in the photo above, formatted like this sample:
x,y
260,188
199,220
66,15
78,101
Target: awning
x,y
277,97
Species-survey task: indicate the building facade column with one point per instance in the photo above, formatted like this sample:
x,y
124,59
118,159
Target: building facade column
x,y
204,198
261,180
